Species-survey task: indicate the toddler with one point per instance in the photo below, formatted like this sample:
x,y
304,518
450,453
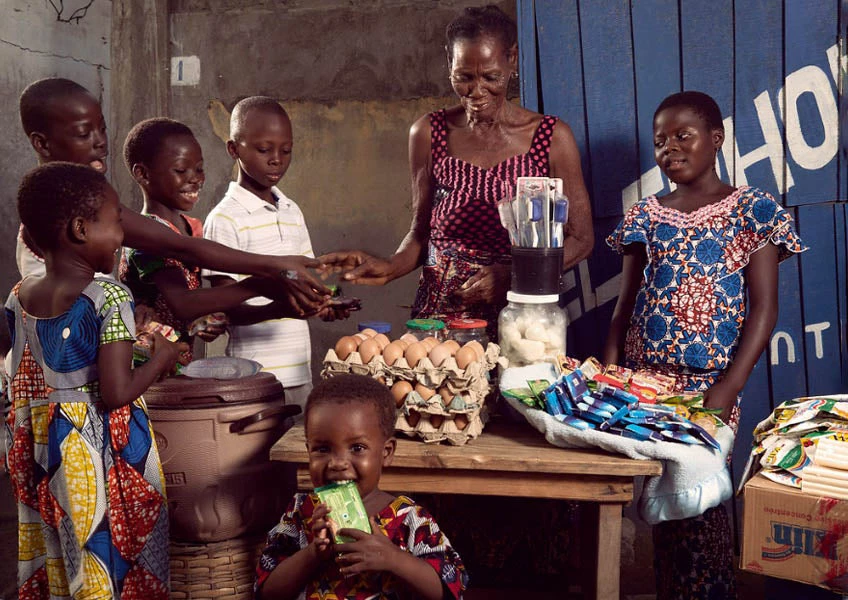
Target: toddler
x,y
349,425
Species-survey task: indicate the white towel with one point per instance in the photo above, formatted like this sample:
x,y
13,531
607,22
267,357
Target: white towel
x,y
694,478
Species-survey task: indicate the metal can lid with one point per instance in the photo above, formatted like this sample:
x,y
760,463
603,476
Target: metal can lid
x,y
467,324
378,326
425,324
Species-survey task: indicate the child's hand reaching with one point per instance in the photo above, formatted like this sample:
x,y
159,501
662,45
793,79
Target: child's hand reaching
x,y
167,352
369,551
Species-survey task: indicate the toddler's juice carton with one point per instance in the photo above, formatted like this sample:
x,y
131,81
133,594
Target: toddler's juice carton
x,y
346,508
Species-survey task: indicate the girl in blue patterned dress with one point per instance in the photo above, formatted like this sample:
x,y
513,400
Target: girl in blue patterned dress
x,y
92,514
698,301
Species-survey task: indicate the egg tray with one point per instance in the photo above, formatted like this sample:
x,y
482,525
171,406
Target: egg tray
x,y
468,403
475,375
469,387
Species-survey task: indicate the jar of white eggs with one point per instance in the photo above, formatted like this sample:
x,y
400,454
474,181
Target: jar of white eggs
x,y
532,329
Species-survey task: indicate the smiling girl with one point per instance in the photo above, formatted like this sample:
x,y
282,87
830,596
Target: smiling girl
x,y
167,163
691,260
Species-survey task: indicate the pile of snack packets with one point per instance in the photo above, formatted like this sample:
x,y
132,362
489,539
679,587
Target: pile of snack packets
x,y
639,405
804,444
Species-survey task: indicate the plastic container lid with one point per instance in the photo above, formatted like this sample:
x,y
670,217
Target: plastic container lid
x,y
378,326
467,324
532,298
425,325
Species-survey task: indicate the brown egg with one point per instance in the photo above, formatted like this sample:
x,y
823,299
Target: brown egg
x,y
452,344
478,348
382,339
424,391
465,356
368,350
461,421
369,332
446,394
399,391
414,353
413,418
360,337
430,342
436,420
409,338
392,352
345,346
402,343
439,354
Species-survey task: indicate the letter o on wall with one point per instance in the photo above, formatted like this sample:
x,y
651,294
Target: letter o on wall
x,y
811,79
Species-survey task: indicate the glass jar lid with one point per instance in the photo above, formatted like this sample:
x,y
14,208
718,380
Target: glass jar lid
x,y
378,326
425,325
467,324
532,298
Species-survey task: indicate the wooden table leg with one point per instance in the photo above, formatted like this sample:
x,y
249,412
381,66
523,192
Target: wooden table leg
x,y
608,552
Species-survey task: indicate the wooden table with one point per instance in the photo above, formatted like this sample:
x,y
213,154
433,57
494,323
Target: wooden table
x,y
511,459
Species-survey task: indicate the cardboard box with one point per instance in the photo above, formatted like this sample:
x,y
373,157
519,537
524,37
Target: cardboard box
x,y
792,535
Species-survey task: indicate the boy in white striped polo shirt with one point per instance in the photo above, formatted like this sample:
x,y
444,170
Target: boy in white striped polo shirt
x,y
255,216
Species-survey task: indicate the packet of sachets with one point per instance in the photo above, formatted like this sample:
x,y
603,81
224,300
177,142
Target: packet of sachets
x,y
346,508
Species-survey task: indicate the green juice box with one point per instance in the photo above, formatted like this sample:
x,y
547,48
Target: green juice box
x,y
346,508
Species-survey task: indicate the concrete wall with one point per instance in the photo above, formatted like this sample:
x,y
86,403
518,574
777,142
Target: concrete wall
x,y
39,40
353,75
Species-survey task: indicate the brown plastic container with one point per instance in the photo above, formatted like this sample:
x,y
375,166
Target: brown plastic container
x,y
214,436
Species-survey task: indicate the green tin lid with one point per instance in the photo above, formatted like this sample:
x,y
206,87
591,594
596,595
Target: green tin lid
x,y
425,325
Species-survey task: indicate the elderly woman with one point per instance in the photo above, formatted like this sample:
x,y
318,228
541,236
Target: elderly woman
x,y
462,158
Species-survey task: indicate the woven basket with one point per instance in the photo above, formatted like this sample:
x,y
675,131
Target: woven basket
x,y
215,570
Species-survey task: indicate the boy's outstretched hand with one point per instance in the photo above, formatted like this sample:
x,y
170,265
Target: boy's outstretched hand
x,y
369,551
296,284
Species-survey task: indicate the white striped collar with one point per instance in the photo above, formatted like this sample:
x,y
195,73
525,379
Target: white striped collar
x,y
253,203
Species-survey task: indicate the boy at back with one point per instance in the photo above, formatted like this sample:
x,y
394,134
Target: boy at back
x,y
349,425
255,216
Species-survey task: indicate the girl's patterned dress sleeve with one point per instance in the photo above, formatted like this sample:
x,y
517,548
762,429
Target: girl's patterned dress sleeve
x,y
758,220
116,313
633,228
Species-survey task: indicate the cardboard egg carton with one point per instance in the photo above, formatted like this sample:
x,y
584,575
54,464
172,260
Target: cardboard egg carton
x,y
446,429
467,387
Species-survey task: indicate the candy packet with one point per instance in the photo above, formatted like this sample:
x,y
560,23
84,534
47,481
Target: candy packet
x,y
207,322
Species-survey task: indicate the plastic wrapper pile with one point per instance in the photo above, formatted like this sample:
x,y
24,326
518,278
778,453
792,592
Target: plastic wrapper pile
x,y
439,388
622,402
804,444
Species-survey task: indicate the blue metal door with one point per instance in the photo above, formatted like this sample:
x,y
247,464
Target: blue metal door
x,y
777,71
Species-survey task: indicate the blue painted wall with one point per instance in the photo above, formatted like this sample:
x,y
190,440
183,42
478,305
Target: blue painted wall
x,y
775,69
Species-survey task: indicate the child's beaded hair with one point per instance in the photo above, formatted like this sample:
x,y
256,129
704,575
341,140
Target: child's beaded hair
x,y
145,138
701,103
35,100
348,388
477,21
53,194
238,118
